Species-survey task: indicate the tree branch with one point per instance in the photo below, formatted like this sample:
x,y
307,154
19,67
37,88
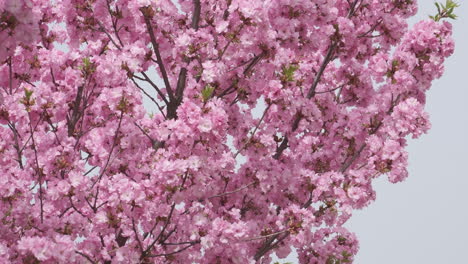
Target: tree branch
x,y
196,14
149,97
181,82
10,75
324,65
148,79
16,144
146,252
86,257
111,150
254,131
171,253
160,63
38,169
234,191
136,234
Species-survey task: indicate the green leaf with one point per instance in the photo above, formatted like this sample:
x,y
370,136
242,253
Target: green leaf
x,y
207,92
87,67
288,72
438,7
445,11
28,94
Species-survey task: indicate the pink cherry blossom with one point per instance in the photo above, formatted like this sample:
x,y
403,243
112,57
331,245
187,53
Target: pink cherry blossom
x,y
263,128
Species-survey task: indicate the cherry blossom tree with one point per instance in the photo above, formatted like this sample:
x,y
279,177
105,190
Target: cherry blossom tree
x,y
89,175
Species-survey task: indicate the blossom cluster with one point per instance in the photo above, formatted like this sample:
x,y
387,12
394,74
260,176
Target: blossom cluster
x,y
263,131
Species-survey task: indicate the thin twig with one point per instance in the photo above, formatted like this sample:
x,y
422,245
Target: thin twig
x,y
324,65
86,257
136,234
38,169
182,243
254,131
234,191
265,236
16,144
145,253
103,29
10,75
148,79
111,150
171,253
150,97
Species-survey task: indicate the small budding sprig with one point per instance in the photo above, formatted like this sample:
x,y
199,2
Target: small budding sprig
x,y
207,92
445,11
27,100
288,72
88,67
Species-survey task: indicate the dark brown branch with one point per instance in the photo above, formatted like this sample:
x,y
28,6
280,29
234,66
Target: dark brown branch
x,y
319,74
328,56
146,252
77,210
95,199
283,146
371,29
156,144
90,170
86,257
10,75
196,14
160,63
171,253
182,243
181,82
226,11
103,29
136,234
64,212
27,141
265,236
230,41
148,79
254,131
182,79
111,150
349,162
75,115
16,144
149,97
234,191
310,94
331,90
38,170
114,21
254,61
270,244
